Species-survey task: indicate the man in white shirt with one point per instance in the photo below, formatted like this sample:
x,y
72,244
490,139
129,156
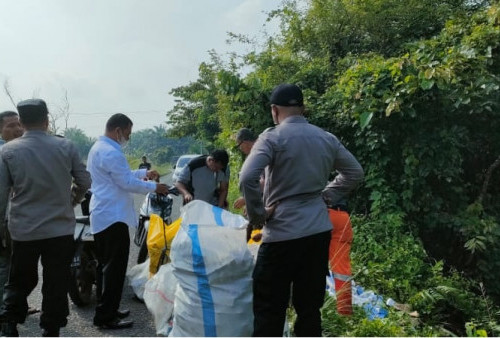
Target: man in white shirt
x,y
111,211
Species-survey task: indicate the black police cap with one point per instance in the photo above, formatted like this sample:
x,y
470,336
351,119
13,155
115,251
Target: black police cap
x,y
32,110
287,95
245,134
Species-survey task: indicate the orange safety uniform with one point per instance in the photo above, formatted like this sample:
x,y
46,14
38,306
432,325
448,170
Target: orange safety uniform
x,y
340,262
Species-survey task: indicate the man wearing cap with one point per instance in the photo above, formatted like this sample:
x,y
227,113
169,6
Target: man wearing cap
x,y
112,212
245,140
39,169
297,158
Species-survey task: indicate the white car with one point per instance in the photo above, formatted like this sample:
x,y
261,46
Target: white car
x,y
181,163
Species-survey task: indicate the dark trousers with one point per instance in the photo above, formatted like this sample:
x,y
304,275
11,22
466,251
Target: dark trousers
x,y
112,249
5,253
56,256
300,264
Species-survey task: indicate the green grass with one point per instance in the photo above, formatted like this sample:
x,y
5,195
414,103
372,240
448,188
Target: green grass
x,y
162,169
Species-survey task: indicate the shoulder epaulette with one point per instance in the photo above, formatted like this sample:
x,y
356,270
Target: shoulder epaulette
x,y
268,130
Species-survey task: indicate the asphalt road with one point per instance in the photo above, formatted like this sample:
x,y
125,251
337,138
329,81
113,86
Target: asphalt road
x,y
80,318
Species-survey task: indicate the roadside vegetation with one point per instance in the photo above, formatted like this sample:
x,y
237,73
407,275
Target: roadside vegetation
x,y
161,151
412,89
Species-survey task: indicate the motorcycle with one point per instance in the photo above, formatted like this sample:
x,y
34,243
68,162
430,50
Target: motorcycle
x,y
84,266
153,204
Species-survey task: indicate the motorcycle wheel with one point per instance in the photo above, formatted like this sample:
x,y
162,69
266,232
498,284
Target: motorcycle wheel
x,y
82,280
143,253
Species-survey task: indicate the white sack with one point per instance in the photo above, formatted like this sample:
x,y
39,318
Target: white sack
x,y
138,276
159,296
213,266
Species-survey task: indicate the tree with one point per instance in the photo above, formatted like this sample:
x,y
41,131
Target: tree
x,y
155,144
63,112
194,113
82,142
54,118
8,92
412,89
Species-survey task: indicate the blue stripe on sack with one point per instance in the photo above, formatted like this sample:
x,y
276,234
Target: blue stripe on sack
x,y
218,215
207,303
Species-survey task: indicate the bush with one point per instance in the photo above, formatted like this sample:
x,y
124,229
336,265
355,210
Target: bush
x,y
388,259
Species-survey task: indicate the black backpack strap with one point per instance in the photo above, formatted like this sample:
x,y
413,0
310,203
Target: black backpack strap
x,y
194,164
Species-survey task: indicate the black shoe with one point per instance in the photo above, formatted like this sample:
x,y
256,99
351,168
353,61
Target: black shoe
x,y
50,333
9,329
122,313
115,324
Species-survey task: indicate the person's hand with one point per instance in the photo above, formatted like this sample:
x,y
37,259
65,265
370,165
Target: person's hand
x,y
257,237
239,203
153,175
270,210
75,197
74,202
259,221
161,188
187,198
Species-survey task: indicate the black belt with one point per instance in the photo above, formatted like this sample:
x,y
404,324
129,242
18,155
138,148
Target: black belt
x,y
338,207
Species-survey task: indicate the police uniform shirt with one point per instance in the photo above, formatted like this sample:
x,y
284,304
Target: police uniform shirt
x,y
40,169
299,158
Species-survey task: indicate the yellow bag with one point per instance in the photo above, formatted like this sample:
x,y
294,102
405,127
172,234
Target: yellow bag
x,y
157,233
255,232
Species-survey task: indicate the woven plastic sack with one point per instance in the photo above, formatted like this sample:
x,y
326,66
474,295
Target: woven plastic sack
x,y
213,266
158,230
138,276
159,295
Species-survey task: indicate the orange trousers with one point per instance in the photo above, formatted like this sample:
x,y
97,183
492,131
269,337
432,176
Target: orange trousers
x,y
340,262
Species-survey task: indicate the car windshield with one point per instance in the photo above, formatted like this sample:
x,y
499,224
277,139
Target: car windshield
x,y
183,161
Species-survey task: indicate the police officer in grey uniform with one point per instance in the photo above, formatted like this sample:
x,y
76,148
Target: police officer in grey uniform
x,y
297,158
42,171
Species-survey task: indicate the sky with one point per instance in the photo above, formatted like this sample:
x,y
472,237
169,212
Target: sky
x,y
116,56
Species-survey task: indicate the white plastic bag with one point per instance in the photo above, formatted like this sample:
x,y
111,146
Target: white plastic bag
x,y
211,261
138,276
159,296
202,213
